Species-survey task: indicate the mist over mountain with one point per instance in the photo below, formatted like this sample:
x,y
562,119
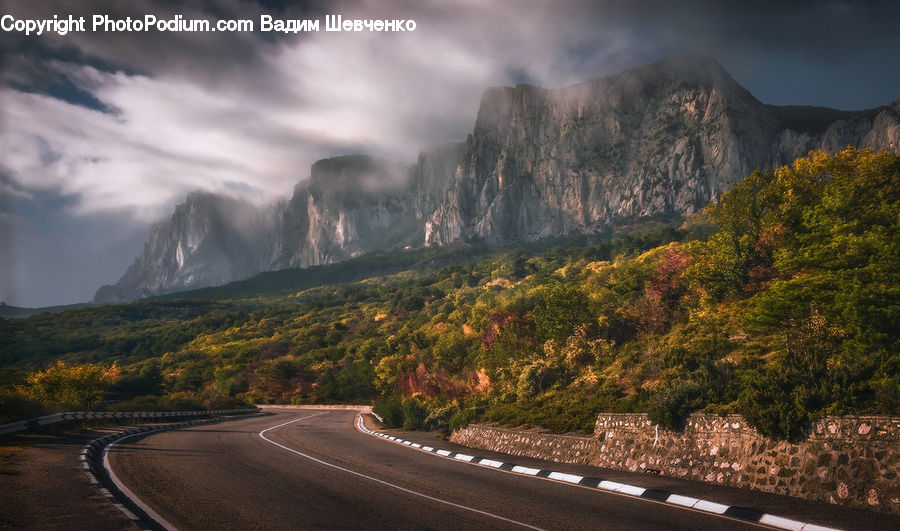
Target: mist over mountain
x,y
354,204
666,138
209,240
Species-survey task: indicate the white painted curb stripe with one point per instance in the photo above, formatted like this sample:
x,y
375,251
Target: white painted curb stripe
x,y
611,485
568,478
684,501
127,492
711,507
781,523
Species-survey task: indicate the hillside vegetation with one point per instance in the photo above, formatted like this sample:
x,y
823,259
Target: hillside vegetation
x,y
788,311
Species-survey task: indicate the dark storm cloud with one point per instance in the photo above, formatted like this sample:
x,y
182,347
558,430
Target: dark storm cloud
x,y
209,59
829,29
824,53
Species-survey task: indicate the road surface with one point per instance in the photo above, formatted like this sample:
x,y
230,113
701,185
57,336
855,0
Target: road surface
x,y
303,469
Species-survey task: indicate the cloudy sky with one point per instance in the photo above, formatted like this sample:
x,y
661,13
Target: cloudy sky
x,y
102,133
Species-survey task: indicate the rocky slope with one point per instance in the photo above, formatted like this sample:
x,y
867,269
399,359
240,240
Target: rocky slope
x,y
664,138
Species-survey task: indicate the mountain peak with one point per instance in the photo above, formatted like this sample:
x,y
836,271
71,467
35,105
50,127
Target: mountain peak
x,y
692,61
695,70
350,174
344,163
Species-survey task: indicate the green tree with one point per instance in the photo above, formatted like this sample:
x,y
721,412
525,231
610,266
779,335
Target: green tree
x,y
564,307
64,386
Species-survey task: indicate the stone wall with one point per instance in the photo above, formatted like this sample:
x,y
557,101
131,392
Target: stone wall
x,y
846,460
529,443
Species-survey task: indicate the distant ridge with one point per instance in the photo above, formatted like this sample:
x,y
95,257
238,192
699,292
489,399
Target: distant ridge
x,y
12,312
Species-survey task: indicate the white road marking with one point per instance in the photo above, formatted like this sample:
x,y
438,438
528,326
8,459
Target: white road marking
x,y
380,481
684,501
711,507
611,485
632,490
126,491
568,478
781,523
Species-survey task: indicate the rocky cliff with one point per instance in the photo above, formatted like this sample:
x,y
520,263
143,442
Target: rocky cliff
x,y
356,204
209,240
664,138
349,206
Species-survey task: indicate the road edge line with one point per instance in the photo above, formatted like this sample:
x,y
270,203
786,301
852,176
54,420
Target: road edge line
x,y
95,462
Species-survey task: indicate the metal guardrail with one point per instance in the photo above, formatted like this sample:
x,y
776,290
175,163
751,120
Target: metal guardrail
x,y
46,420
354,407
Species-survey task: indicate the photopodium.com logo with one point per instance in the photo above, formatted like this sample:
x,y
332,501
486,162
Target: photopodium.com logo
x,y
267,23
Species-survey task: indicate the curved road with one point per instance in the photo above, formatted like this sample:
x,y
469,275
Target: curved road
x,y
310,469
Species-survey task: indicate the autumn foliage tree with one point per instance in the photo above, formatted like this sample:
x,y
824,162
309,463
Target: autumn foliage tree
x,y
827,232
63,386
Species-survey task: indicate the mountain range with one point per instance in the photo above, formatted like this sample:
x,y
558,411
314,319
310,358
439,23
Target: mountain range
x,y
666,138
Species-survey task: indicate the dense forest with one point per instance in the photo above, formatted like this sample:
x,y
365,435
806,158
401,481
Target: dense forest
x,y
780,302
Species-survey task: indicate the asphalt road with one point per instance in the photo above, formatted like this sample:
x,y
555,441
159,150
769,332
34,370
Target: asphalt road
x,y
312,469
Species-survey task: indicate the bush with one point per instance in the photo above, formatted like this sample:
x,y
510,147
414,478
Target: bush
x,y
173,403
776,405
670,406
438,418
564,307
414,414
460,419
62,386
391,410
14,406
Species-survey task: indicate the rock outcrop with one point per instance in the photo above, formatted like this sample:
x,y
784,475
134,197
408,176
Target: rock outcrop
x,y
350,205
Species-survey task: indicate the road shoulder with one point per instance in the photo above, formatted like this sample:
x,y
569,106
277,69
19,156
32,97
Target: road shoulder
x,y
45,487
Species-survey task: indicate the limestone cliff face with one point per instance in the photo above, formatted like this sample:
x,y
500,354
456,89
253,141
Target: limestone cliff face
x,y
293,230
433,175
209,240
356,204
665,138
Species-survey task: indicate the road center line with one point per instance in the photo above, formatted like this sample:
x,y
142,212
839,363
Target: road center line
x,y
380,481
